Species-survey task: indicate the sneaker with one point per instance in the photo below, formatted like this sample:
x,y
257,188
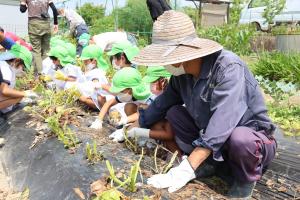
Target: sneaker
x,y
241,190
2,142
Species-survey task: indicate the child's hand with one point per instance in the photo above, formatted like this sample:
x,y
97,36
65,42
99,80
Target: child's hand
x,y
60,76
46,78
97,124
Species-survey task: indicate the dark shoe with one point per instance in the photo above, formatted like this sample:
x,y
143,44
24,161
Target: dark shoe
x,y
205,170
3,115
241,190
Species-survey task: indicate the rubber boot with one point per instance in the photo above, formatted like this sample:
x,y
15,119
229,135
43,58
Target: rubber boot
x,y
241,190
205,170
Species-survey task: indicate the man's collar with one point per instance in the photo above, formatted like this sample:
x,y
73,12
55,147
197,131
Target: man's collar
x,y
207,64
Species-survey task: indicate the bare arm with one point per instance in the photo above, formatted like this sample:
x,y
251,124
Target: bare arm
x,y
1,37
9,92
105,108
70,79
133,118
198,156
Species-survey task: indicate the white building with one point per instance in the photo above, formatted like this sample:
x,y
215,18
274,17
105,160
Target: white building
x,y
11,19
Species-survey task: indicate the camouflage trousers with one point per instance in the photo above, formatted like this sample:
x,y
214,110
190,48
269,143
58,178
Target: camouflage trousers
x,y
39,35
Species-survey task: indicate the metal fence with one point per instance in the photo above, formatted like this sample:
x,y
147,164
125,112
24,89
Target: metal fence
x,y
18,29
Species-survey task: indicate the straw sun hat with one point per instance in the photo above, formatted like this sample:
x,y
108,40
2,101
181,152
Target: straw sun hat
x,y
174,40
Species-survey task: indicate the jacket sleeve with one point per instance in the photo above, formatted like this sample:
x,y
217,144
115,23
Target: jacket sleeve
x,y
155,9
55,13
165,6
228,105
159,107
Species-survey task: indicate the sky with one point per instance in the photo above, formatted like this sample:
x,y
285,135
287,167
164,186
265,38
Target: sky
x,y
72,3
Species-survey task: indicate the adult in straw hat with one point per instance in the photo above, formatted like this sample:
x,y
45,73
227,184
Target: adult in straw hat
x,y
224,120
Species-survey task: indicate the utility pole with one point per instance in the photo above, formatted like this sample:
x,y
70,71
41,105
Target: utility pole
x,y
115,8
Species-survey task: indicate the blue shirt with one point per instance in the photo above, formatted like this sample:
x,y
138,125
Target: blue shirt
x,y
225,95
7,43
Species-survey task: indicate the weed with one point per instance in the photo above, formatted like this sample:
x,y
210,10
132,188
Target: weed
x,y
128,182
55,108
170,164
92,154
233,37
284,114
278,66
165,168
25,194
111,194
27,81
63,133
287,117
128,143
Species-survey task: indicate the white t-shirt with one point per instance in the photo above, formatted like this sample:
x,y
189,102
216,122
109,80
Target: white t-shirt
x,y
8,73
48,68
70,71
105,40
9,77
86,88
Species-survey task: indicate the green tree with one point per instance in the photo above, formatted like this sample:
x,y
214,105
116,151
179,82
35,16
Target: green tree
x,y
235,11
105,24
91,13
134,17
274,7
192,13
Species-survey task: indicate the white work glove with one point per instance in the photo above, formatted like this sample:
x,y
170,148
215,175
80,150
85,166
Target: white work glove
x,y
117,136
97,124
30,94
138,132
123,121
175,179
26,101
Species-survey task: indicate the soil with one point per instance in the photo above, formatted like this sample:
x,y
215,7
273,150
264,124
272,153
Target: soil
x,y
34,158
6,191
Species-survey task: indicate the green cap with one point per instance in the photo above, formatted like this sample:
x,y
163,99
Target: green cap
x,y
124,47
154,73
55,41
84,39
129,77
22,53
71,49
94,52
62,54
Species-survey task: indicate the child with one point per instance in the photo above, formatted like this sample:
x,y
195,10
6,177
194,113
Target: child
x,y
12,63
67,75
121,55
129,88
95,67
158,78
48,70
